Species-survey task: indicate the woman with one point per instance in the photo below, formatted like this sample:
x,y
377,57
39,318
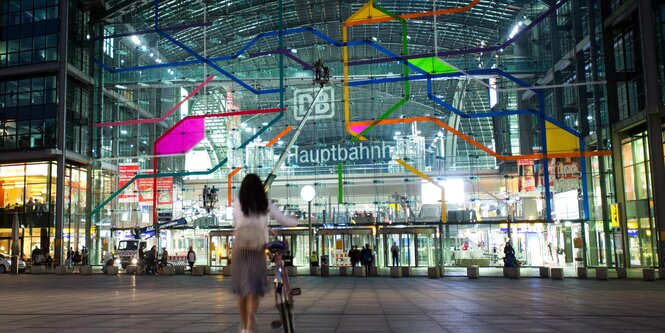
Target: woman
x,y
250,216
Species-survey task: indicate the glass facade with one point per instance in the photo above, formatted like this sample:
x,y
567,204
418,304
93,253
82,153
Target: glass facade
x,y
639,228
28,193
29,32
475,136
28,113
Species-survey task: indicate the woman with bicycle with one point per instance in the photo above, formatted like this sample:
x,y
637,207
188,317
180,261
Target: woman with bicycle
x,y
250,216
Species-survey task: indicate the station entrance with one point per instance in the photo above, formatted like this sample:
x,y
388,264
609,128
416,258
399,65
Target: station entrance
x,y
221,244
297,239
418,246
336,243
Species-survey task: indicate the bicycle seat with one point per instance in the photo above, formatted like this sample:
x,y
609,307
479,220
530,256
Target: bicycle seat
x,y
276,247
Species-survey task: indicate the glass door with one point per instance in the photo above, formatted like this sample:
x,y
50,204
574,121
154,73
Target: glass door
x,y
426,249
220,250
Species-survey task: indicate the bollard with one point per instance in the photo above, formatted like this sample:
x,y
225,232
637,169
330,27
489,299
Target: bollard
x,y
406,271
325,271
342,271
38,269
169,270
226,270
434,272
513,272
582,272
557,273
472,272
197,271
373,271
359,271
131,269
179,270
544,272
111,270
86,270
622,273
649,274
601,273
395,272
292,270
313,271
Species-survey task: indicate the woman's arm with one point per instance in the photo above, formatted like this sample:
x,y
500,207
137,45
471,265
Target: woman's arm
x,y
281,218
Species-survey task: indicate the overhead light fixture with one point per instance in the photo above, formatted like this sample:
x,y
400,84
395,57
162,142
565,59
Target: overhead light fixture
x,y
136,40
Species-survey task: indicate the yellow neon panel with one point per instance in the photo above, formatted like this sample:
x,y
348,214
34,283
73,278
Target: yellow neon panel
x,y
366,14
560,140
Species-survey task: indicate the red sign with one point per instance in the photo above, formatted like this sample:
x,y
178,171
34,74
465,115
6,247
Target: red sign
x,y
164,190
127,171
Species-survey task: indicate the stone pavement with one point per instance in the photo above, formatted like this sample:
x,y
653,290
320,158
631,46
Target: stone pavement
x,y
99,303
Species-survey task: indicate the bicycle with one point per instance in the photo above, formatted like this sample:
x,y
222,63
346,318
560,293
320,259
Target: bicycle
x,y
283,292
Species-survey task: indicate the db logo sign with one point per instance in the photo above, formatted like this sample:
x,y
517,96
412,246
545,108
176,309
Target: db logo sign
x,y
324,108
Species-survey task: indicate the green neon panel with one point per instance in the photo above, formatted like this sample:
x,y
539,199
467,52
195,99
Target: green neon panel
x,y
433,65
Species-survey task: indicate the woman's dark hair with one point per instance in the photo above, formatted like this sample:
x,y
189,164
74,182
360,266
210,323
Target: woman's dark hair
x,y
253,198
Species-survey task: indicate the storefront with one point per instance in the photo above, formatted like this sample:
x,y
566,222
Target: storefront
x,y
27,194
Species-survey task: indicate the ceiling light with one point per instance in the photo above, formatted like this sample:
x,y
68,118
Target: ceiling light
x,y
136,40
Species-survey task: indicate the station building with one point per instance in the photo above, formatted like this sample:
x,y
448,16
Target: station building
x,y
447,128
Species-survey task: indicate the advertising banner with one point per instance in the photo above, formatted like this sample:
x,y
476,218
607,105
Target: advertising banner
x,y
527,176
127,171
164,191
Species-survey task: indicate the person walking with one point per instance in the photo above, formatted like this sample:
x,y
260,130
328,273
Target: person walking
x,y
191,259
394,251
250,219
353,256
366,259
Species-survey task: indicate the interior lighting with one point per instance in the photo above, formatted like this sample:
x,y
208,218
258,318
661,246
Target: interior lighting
x,y
516,29
375,39
280,142
243,125
136,40
159,61
152,54
123,132
398,133
294,51
144,48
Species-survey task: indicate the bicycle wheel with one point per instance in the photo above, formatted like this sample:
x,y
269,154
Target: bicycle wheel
x,y
284,314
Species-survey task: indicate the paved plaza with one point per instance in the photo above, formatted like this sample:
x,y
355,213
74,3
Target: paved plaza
x,y
123,303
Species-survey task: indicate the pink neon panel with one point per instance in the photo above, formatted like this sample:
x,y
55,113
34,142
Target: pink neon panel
x,y
181,138
358,128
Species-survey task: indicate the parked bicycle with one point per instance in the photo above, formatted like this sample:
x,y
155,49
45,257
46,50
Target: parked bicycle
x,y
283,292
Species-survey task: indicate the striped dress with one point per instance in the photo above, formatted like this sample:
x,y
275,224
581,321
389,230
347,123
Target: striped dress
x,y
249,264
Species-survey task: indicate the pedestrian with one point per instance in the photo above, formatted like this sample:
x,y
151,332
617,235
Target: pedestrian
x,y
353,256
250,216
314,259
509,259
366,259
165,257
76,259
84,256
70,257
191,259
394,251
